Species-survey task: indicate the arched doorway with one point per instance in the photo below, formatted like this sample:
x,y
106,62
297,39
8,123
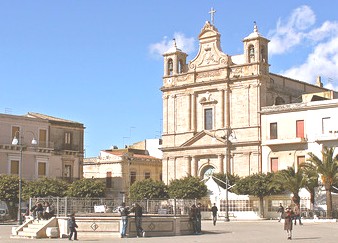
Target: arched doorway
x,y
207,171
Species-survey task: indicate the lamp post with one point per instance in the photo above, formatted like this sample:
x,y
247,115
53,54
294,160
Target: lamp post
x,y
229,135
18,141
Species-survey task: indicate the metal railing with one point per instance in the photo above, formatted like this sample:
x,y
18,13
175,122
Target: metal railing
x,y
63,206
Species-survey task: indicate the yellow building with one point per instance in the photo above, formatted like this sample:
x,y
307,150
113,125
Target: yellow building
x,y
120,168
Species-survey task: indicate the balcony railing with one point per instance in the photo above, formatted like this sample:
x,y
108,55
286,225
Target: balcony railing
x,y
285,140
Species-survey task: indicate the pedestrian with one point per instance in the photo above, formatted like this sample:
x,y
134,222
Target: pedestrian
x,y
137,210
288,215
199,218
280,211
193,218
214,211
47,211
25,215
72,227
297,214
39,211
124,212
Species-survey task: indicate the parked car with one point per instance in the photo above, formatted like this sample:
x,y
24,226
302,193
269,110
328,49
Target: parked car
x,y
4,215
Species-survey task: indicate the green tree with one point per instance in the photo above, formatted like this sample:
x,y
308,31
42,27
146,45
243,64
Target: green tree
x,y
187,188
9,192
292,180
233,179
259,185
9,188
327,168
149,189
45,187
86,188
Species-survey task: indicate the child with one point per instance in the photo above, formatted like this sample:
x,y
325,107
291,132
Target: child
x,y
72,227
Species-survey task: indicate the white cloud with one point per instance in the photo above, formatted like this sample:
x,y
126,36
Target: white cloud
x,y
290,33
322,58
186,44
323,61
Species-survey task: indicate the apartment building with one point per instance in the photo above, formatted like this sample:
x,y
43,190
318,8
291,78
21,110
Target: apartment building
x,y
44,146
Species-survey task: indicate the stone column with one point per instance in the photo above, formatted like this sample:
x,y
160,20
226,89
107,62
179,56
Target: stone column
x,y
220,163
194,166
165,170
189,112
165,114
221,94
188,164
193,112
227,106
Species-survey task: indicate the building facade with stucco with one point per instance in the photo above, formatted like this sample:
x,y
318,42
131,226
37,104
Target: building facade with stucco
x,y
56,151
212,104
120,168
291,131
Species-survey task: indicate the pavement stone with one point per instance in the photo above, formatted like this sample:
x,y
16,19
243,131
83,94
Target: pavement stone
x,y
262,231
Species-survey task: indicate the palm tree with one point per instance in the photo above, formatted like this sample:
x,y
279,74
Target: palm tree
x,y
291,180
327,168
311,182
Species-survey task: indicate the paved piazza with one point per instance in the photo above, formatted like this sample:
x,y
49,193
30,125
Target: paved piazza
x,y
264,231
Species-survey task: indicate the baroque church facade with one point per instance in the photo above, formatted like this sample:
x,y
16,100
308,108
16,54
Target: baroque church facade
x,y
212,105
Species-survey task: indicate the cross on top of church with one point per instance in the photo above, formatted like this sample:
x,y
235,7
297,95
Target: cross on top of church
x,y
212,15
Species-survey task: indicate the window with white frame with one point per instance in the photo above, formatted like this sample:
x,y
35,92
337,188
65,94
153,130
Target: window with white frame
x,y
14,167
326,125
42,169
67,137
208,119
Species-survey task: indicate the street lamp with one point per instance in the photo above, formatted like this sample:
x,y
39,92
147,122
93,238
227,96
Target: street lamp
x,y
18,141
229,135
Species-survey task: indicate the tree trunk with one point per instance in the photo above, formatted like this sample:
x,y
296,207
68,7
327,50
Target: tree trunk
x,y
261,207
296,198
328,204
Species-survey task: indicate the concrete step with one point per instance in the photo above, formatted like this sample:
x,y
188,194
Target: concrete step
x,y
27,234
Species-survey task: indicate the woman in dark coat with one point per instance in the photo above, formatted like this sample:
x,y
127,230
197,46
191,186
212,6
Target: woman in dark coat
x,y
288,216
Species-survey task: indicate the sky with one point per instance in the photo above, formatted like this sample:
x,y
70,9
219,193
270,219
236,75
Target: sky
x,y
99,62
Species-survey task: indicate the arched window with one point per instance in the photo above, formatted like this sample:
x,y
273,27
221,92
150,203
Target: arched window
x,y
251,53
170,67
263,57
279,101
180,66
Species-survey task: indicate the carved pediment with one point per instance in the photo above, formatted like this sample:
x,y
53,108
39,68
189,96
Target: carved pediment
x,y
203,138
210,53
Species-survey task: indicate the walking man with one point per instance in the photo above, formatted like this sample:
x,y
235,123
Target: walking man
x,y
137,210
199,218
193,218
280,211
214,211
297,214
72,227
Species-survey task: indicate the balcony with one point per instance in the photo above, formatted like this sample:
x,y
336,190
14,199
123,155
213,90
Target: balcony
x,y
330,136
280,141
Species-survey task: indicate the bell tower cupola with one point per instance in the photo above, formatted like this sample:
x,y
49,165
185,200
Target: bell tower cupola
x,y
174,61
256,47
